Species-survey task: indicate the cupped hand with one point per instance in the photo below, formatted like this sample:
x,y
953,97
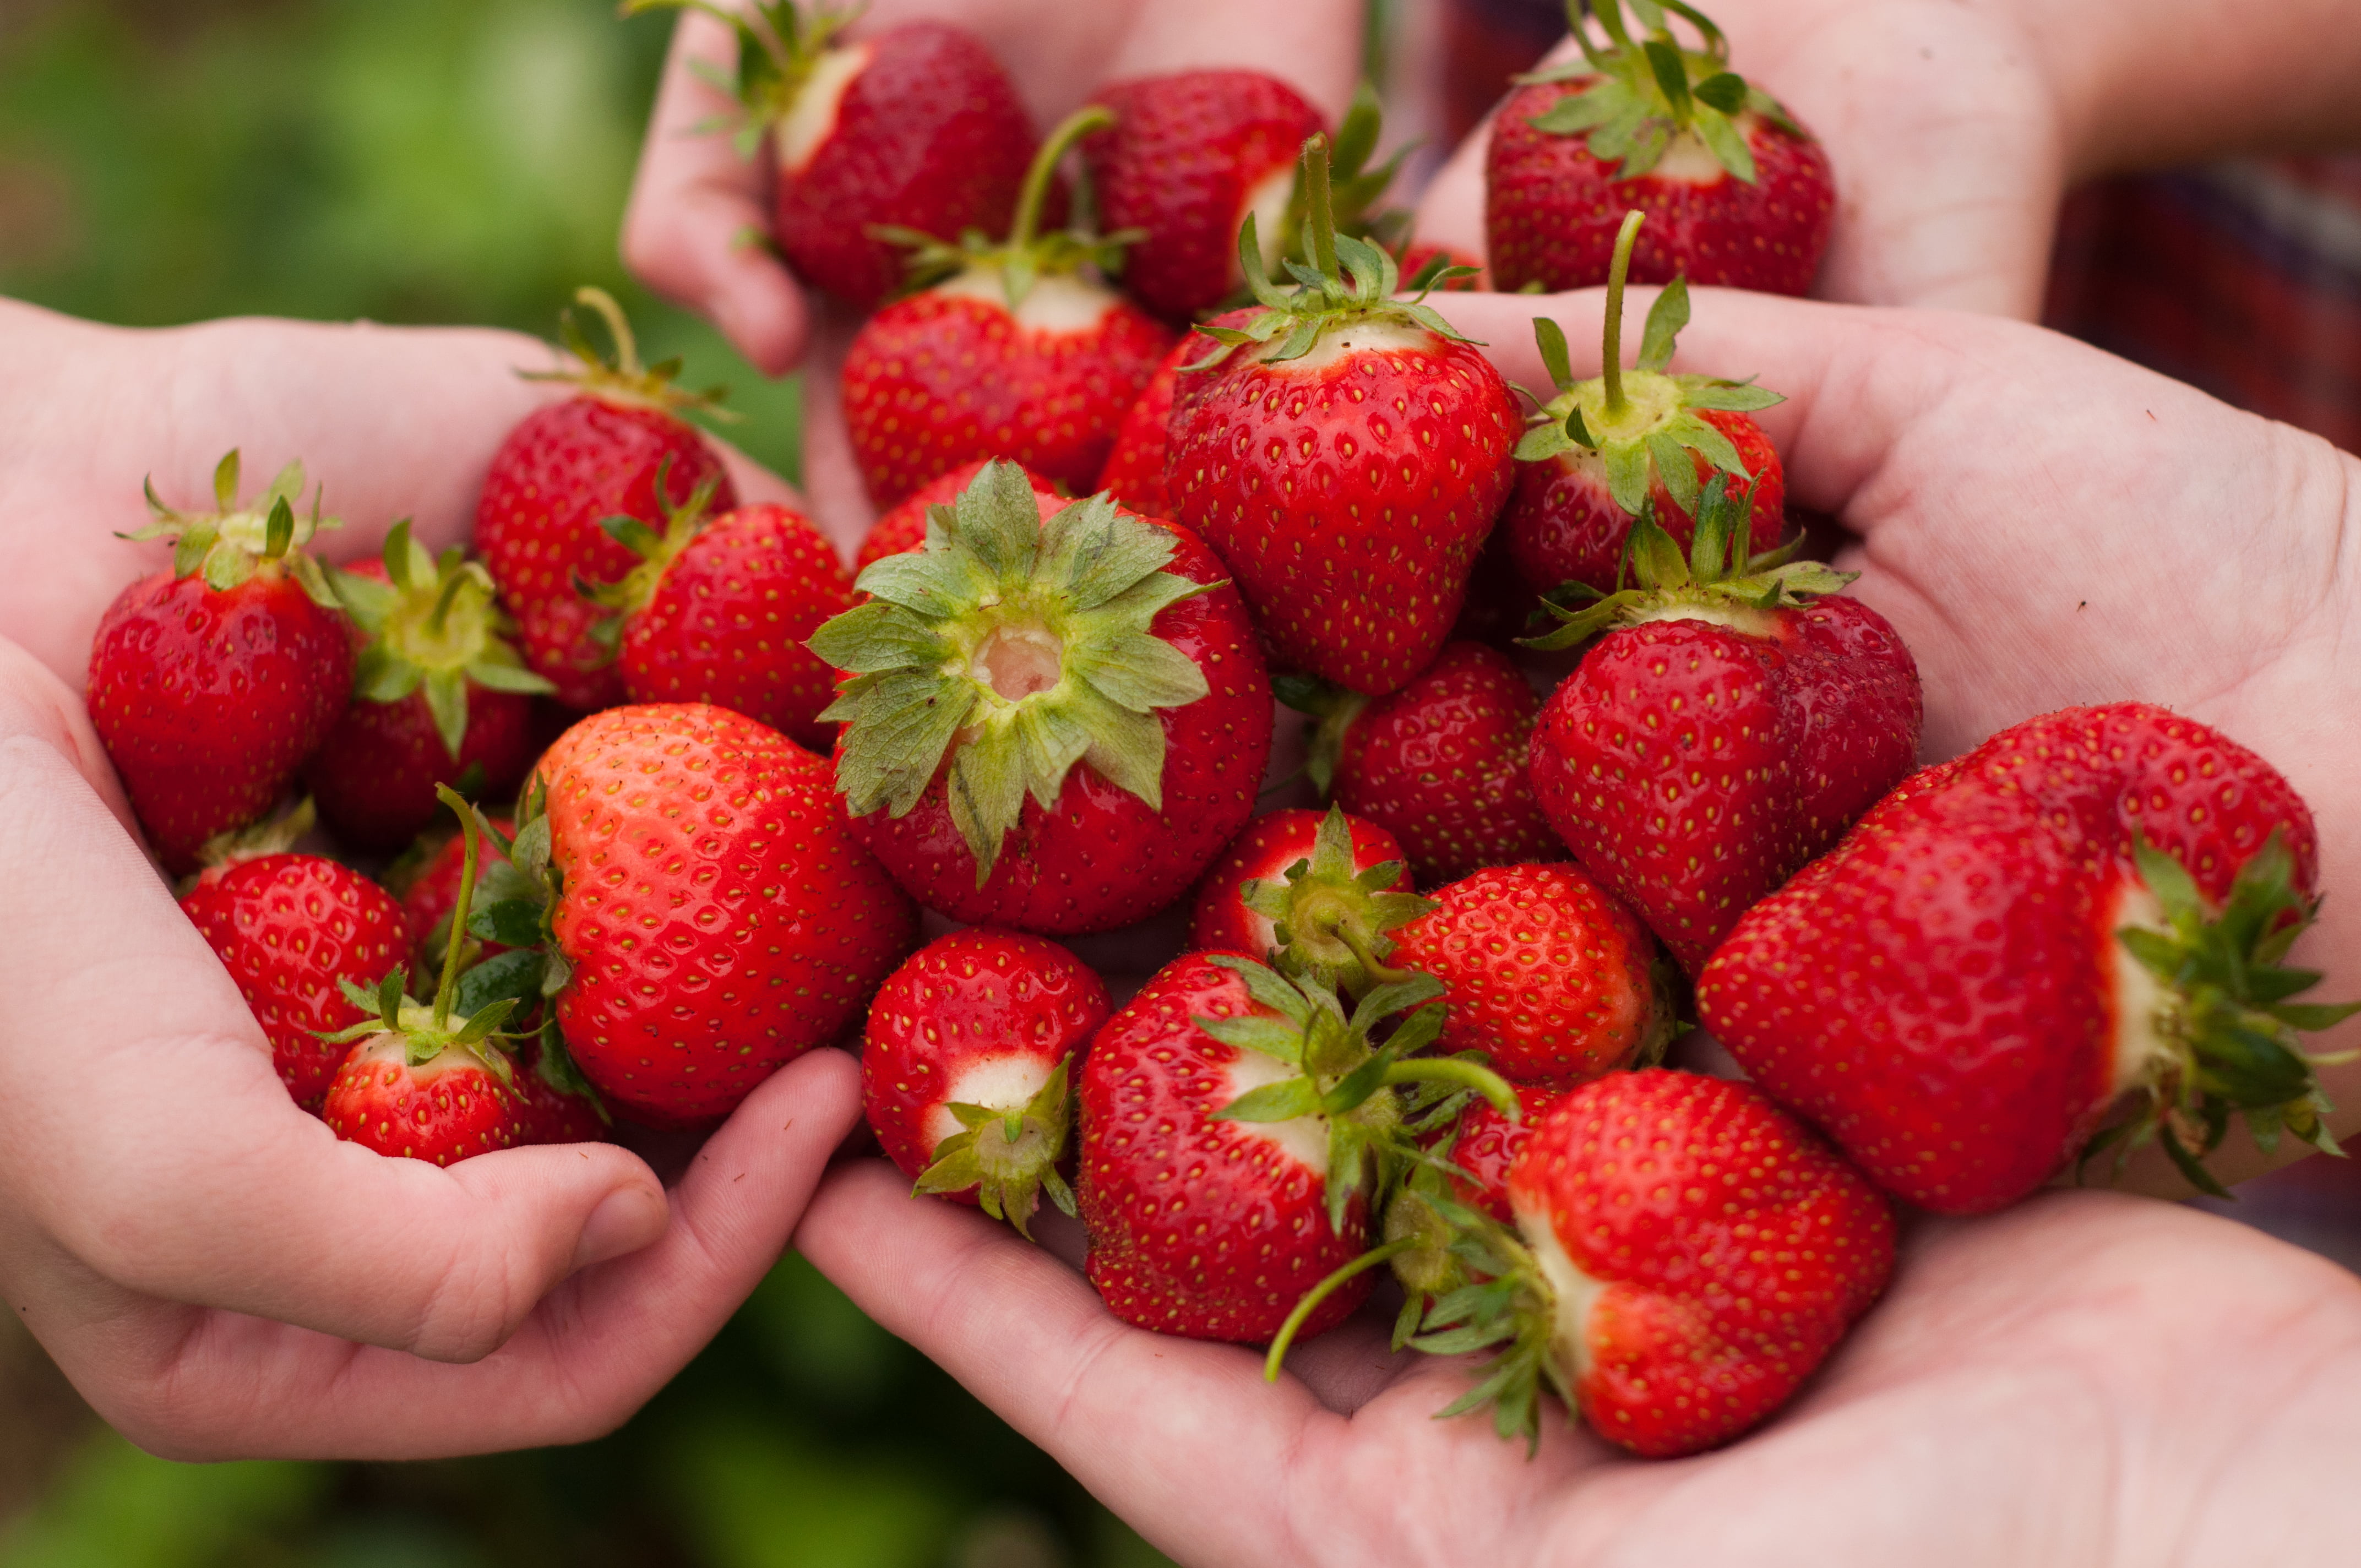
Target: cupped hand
x,y
218,1274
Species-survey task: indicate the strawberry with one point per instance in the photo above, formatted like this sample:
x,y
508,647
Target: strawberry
x,y
1742,193
1051,726
1438,763
1314,894
1472,1158
707,915
439,696
2085,914
1484,1145
1545,974
1354,566
1185,160
1423,264
915,127
1237,1129
965,1063
430,890
1684,1256
1135,467
1726,726
290,928
212,682
717,611
1016,353
428,1082
1604,450
555,1104
618,447
905,527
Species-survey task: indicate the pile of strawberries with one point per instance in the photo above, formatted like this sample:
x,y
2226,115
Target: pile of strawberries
x,y
1418,1032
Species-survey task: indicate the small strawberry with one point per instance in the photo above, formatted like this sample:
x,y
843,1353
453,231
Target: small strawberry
x,y
1016,354
915,127
290,929
965,1063
1316,894
428,1082
1440,763
1424,263
1185,160
1685,1257
1135,467
555,1104
1053,727
439,696
1742,193
1726,726
1346,452
1602,451
1545,974
212,682
2088,912
905,527
618,447
718,608
1237,1130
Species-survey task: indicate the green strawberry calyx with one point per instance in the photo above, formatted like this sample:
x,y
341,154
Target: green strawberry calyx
x,y
619,377
433,625
1003,652
1641,423
1505,1303
779,44
1646,94
272,836
1356,184
2225,1016
1008,1156
632,593
1721,579
233,545
1332,921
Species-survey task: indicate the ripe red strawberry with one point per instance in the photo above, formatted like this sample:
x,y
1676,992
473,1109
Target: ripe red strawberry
x,y
1016,354
1472,1158
905,527
1454,271
618,447
1440,763
1686,1255
717,611
2089,909
430,891
212,682
915,127
1727,725
965,1064
439,697
712,918
1053,727
1134,468
1314,893
289,928
1345,456
1227,1164
1187,157
1544,973
1741,194
555,1104
1605,450
1485,1144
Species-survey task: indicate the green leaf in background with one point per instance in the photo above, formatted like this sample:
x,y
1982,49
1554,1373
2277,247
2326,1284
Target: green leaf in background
x,y
115,1507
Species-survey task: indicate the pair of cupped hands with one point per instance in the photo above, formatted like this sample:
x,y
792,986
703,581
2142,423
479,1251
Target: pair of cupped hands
x,y
2089,1378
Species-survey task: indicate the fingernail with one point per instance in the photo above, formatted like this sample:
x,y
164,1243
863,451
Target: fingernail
x,y
618,1226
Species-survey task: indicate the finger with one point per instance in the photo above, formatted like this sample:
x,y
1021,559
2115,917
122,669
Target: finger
x,y
1451,210
1313,46
839,497
697,225
37,704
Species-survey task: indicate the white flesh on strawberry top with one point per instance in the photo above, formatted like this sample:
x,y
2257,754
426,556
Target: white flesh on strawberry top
x,y
808,125
1361,337
1578,1293
1267,202
1305,1138
2137,996
1058,303
1007,1082
1689,161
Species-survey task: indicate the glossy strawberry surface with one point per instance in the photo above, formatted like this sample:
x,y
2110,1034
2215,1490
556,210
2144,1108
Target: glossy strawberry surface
x,y
289,928
1487,1145
443,1110
1219,920
374,776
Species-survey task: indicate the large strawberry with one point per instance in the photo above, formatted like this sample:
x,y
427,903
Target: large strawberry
x,y
1019,353
718,608
966,1062
1729,723
1684,1256
1741,194
1440,763
1345,451
1237,1130
2091,908
1545,974
915,127
618,447
1052,725
1604,450
439,696
290,930
1314,894
212,682
904,527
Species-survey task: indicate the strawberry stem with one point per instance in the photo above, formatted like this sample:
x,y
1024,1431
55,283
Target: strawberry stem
x,y
1467,1074
1321,1292
627,349
1069,130
449,983
1320,210
1611,371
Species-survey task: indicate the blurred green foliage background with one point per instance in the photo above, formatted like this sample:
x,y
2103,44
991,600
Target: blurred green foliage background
x,y
452,160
